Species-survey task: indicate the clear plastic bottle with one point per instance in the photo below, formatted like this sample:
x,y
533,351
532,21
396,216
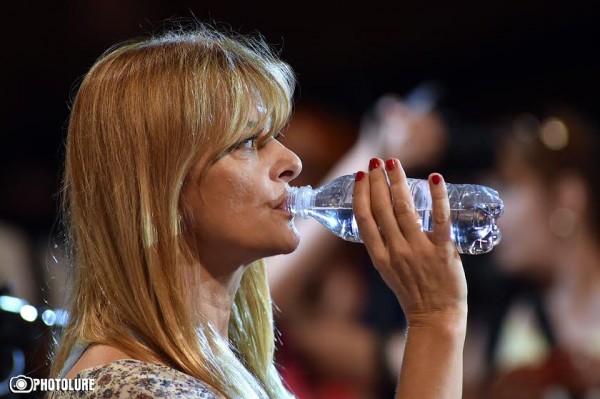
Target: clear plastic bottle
x,y
474,210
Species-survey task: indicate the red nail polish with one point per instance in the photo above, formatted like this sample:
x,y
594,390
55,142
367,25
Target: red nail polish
x,y
359,176
436,179
374,163
390,164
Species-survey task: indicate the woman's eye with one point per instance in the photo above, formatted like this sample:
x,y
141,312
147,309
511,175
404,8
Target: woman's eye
x,y
256,142
248,144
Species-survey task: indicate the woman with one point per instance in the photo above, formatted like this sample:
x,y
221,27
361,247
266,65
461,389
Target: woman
x,y
174,186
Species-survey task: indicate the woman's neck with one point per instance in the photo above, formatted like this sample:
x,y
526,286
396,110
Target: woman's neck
x,y
214,296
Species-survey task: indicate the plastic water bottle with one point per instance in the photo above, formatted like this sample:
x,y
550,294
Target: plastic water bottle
x,y
474,210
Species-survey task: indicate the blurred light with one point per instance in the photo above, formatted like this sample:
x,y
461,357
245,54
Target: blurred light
x,y
49,317
11,304
62,317
554,134
28,313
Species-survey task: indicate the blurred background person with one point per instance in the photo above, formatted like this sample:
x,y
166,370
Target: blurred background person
x,y
545,327
16,271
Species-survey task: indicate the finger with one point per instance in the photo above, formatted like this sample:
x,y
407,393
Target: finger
x,y
367,227
403,205
381,203
440,209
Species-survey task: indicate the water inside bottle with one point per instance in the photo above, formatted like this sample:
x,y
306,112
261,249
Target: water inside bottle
x,y
474,231
340,221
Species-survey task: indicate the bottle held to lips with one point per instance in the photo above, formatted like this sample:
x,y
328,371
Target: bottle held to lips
x,y
474,211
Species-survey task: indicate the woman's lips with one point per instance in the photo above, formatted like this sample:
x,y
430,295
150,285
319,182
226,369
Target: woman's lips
x,y
280,203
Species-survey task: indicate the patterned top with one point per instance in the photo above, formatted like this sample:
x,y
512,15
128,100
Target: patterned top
x,y
135,379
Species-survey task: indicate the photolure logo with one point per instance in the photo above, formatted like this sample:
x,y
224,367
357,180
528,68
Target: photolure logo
x,y
24,384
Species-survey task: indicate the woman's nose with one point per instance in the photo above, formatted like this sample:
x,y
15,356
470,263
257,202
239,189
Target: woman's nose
x,y
289,165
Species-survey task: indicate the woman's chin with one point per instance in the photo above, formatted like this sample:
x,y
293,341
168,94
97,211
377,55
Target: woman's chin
x,y
289,243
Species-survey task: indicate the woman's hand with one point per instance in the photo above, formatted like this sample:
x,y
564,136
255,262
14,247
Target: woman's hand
x,y
423,269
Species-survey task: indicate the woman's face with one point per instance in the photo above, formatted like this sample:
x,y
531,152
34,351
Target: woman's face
x,y
236,203
527,242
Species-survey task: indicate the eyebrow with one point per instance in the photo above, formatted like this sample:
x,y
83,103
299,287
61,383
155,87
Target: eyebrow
x,y
251,124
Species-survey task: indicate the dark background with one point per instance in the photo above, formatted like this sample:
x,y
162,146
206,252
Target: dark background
x,y
493,59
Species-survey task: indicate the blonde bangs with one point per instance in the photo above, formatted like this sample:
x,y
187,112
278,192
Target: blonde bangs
x,y
254,89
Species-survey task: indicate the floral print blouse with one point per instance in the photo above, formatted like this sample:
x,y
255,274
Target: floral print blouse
x,y
135,379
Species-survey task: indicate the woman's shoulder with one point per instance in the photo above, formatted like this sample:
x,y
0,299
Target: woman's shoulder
x,y
128,378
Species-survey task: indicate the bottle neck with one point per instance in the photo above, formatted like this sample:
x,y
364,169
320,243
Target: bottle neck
x,y
299,200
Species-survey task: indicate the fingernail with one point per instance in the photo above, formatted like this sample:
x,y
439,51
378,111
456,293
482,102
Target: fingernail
x,y
436,179
390,164
374,163
359,176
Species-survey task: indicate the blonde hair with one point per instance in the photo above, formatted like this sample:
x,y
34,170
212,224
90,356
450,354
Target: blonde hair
x,y
146,112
